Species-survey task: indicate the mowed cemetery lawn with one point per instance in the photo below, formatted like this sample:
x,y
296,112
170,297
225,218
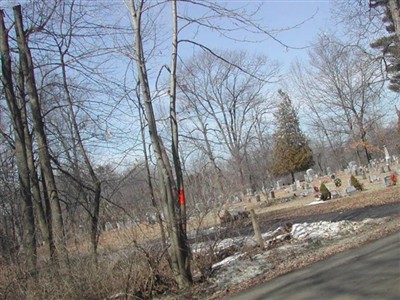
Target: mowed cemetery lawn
x,y
374,194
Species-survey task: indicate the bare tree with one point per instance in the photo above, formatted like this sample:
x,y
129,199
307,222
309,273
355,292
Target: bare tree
x,y
20,148
224,101
44,155
169,186
343,88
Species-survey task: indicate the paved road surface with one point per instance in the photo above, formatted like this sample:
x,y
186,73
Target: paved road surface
x,y
369,272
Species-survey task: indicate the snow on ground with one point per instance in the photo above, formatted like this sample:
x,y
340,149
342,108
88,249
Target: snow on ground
x,y
316,202
242,266
323,229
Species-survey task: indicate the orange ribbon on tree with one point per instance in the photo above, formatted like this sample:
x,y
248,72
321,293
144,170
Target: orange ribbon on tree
x,y
182,199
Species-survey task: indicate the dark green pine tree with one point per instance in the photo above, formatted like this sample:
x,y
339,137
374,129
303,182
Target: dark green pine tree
x,y
389,45
291,151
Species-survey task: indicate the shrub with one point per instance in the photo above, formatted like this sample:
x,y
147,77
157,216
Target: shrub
x,y
325,193
354,182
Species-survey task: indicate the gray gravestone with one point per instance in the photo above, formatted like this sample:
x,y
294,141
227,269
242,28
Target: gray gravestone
x,y
278,184
310,174
329,171
351,190
108,226
372,178
298,184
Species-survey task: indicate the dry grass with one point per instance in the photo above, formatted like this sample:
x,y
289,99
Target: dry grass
x,y
130,270
374,194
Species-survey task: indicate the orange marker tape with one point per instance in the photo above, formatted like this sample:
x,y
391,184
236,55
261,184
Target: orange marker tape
x,y
182,199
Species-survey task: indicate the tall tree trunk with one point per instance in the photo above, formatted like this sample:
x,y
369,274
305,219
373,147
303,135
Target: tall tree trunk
x,y
34,180
178,251
96,183
394,8
29,239
173,118
47,206
148,174
94,221
44,155
184,257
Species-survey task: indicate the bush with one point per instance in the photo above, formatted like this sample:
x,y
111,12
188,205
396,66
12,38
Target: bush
x,y
325,193
354,182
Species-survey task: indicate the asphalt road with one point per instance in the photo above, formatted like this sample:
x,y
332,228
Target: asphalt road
x,y
369,272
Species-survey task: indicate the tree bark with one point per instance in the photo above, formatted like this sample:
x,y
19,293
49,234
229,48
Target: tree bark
x,y
95,203
178,251
29,239
256,228
184,255
394,9
40,215
44,155
148,174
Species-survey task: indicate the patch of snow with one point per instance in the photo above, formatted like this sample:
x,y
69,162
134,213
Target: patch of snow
x,y
227,260
229,242
250,242
316,202
236,271
322,229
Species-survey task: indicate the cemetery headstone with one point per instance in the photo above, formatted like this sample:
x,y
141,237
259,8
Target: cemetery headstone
x,y
249,192
278,184
108,226
310,173
334,194
351,190
298,184
329,171
129,224
352,163
353,168
387,156
373,178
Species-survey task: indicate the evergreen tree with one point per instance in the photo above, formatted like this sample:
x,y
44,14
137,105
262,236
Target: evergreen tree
x,y
390,44
291,150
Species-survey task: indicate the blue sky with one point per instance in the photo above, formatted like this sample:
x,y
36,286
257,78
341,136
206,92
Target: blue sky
x,y
280,14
